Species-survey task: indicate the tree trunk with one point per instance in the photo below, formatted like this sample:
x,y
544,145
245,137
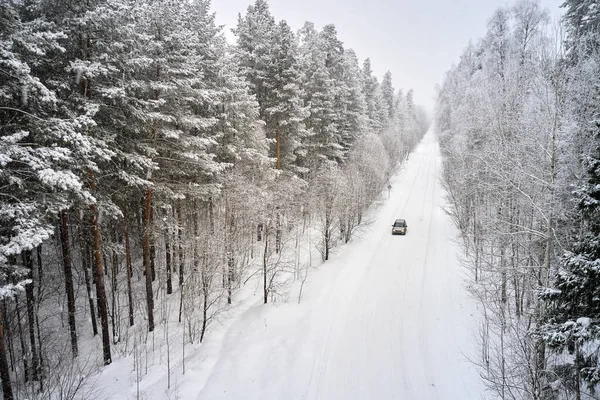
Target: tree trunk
x,y
168,262
67,266
113,293
229,229
4,368
265,289
152,249
278,232
577,365
278,148
205,293
100,289
327,237
129,268
180,242
147,262
30,299
40,269
37,327
196,252
181,258
85,252
211,216
8,334
26,368
230,275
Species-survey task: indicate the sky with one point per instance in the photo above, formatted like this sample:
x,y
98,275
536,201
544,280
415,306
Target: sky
x,y
417,40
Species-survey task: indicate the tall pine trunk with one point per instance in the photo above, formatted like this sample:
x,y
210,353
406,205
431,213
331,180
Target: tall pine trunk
x,y
24,352
180,242
115,314
128,264
85,261
181,257
205,293
168,257
229,251
152,248
147,261
4,367
9,337
168,261
67,266
100,289
278,148
265,259
30,302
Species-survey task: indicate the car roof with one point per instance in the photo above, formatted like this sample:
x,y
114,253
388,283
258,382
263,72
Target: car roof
x,y
400,220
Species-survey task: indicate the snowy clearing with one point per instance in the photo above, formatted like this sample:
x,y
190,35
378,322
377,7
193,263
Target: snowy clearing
x,y
386,318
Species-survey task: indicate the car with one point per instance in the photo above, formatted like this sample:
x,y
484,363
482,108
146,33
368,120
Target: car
x,y
399,227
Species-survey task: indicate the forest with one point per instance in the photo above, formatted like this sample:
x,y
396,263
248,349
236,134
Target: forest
x,y
518,119
149,170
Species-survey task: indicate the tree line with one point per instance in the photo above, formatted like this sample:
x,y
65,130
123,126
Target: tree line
x,y
518,124
149,169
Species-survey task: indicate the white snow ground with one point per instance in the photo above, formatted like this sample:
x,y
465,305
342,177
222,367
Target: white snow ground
x,y
386,318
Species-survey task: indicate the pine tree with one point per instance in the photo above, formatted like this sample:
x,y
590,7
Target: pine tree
x,y
352,118
582,18
387,92
286,113
319,95
42,152
268,56
369,88
376,110
572,322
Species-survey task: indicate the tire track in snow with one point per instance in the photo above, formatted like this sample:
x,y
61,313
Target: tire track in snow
x,y
424,322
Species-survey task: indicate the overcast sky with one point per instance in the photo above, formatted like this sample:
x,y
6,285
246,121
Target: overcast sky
x,y
417,40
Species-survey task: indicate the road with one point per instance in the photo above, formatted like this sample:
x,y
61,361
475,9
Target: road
x,y
387,318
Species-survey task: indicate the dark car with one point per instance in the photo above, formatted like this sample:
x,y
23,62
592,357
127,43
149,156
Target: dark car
x,y
399,227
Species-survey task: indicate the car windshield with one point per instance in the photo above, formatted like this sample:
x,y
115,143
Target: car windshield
x,y
399,223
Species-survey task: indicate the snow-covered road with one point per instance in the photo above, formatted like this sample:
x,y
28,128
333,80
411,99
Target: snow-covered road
x,y
387,318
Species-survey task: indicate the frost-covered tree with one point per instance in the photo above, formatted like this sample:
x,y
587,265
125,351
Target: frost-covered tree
x,y
502,104
352,120
571,323
319,96
267,53
370,89
388,95
43,154
286,114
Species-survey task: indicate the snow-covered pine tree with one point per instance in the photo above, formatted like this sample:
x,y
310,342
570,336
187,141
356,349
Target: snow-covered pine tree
x,y
388,95
43,153
352,120
319,95
582,18
376,109
344,100
286,113
267,53
369,88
